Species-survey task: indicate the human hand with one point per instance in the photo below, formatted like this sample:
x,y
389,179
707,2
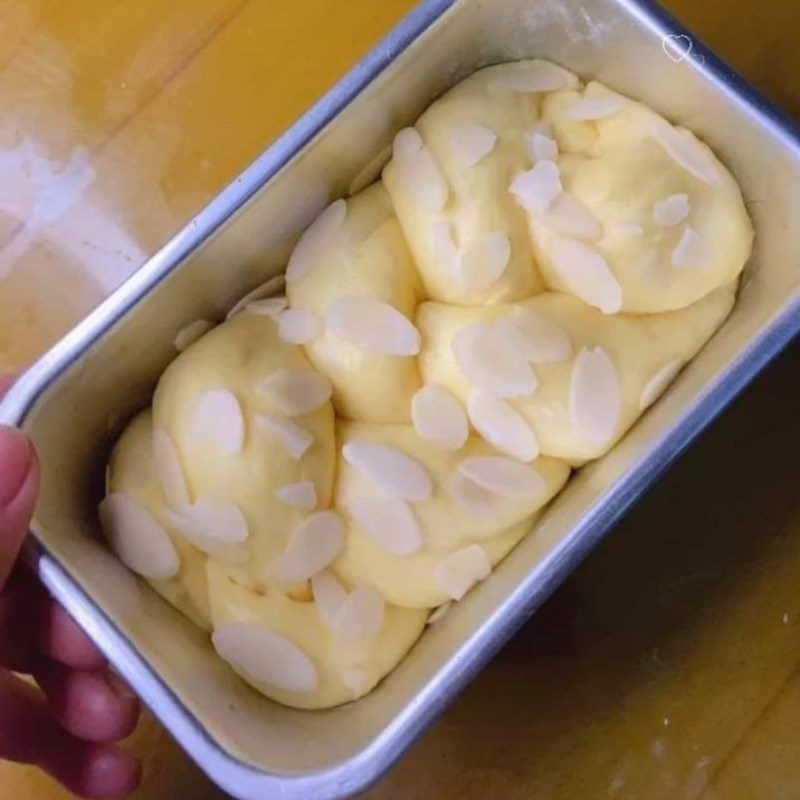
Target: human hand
x,y
68,725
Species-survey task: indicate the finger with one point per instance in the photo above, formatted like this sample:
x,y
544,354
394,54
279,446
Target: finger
x,y
19,483
60,638
21,603
92,705
29,735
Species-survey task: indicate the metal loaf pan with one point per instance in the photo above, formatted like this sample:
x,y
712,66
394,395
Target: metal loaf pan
x,y
75,399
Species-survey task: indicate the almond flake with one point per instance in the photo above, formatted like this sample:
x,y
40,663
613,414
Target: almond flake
x,y
537,189
217,420
354,616
540,146
191,333
570,217
471,497
394,471
597,107
594,397
168,469
315,239
543,342
485,260
265,656
439,418
209,518
502,427
692,250
268,307
360,680
483,355
470,142
656,386
439,612
137,538
297,326
417,169
389,521
504,476
302,494
460,571
330,597
633,228
684,148
312,545
294,439
266,289
586,274
671,210
536,76
296,391
373,325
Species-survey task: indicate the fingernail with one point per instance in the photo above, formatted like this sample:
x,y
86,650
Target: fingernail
x,y
15,462
119,687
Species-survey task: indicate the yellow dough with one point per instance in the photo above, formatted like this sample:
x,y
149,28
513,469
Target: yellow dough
x,y
537,264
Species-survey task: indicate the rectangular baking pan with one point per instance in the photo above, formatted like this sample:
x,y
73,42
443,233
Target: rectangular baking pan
x,y
75,399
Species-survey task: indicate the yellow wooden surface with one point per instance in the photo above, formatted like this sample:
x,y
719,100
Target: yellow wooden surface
x,y
667,666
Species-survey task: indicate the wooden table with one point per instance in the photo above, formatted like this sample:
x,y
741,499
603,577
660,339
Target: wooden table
x,y
667,666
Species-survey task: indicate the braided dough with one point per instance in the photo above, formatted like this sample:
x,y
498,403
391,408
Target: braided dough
x,y
316,474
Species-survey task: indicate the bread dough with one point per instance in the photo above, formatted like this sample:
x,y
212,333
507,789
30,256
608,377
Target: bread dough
x,y
538,263
365,257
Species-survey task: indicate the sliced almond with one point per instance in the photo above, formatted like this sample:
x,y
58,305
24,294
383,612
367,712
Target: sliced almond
x,y
217,420
298,326
594,397
137,538
544,342
302,494
213,519
314,240
657,385
501,426
372,325
483,355
361,618
439,418
536,76
471,497
389,521
537,188
265,656
586,274
570,217
191,333
692,250
296,391
470,142
417,169
330,597
632,228
596,107
484,260
269,288
541,146
396,472
503,476
439,612
312,545
671,210
233,554
169,471
685,150
460,571
294,439
268,307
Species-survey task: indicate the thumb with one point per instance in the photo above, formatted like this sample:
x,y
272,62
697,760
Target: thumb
x,y
19,482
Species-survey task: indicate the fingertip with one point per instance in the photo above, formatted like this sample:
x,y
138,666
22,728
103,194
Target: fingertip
x,y
108,773
62,639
